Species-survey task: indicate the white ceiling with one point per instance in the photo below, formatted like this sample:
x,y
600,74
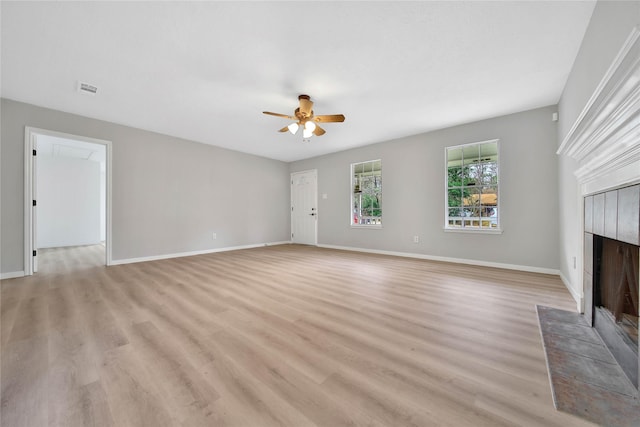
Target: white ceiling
x,y
205,71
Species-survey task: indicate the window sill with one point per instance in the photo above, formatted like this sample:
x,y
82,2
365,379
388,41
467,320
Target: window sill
x,y
472,230
375,227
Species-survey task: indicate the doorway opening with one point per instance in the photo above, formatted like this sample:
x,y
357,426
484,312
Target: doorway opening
x,y
67,193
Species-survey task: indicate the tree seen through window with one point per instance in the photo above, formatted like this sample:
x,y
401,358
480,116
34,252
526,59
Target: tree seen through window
x,y
366,195
472,186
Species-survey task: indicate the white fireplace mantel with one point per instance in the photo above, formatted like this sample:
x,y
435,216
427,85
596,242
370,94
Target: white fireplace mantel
x,y
605,139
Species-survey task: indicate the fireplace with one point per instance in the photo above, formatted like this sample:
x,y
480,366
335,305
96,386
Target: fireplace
x,y
611,272
615,301
605,143
616,286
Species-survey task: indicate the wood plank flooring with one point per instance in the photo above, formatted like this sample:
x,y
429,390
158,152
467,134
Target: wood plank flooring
x,y
285,335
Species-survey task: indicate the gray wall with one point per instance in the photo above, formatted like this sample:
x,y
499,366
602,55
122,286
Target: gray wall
x,y
413,174
169,195
611,24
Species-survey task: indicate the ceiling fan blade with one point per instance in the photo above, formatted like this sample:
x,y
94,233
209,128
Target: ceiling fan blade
x,y
279,115
329,118
284,129
318,131
305,105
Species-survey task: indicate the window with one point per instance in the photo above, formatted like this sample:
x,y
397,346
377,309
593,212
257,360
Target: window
x,y
366,193
472,187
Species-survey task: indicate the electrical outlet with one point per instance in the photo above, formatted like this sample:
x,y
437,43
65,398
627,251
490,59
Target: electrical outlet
x,y
214,236
416,239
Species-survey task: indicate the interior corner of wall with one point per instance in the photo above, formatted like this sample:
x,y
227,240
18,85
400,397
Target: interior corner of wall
x,y
576,294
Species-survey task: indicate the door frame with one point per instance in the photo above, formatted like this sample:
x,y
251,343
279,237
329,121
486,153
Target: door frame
x,y
315,223
30,135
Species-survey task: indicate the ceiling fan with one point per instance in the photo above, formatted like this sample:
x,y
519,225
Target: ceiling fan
x,y
305,119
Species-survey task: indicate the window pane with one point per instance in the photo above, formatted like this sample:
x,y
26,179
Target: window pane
x,y
490,173
455,222
472,203
488,211
366,198
472,185
473,174
471,154
489,149
454,176
471,197
454,157
490,196
455,212
455,196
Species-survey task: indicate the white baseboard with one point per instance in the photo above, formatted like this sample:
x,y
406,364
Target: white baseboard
x,y
11,275
576,296
192,253
448,259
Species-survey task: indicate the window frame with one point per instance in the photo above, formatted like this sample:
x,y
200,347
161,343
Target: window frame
x,y
471,229
351,198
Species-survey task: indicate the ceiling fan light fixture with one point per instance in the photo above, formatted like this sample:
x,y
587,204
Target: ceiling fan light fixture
x,y
293,128
304,117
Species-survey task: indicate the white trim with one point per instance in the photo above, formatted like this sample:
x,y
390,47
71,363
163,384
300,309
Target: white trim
x,y
526,268
574,293
466,144
30,134
11,275
28,197
567,143
579,289
108,217
604,138
622,177
192,253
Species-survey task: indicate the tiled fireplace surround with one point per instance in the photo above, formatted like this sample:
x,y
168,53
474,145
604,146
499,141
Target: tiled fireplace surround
x,y
611,252
605,141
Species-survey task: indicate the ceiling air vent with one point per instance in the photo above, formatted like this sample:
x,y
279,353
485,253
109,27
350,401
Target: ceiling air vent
x,y
87,88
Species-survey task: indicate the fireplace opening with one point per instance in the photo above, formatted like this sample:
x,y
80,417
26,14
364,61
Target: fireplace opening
x,y
615,300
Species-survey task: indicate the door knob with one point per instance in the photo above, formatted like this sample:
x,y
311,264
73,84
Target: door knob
x,y
312,214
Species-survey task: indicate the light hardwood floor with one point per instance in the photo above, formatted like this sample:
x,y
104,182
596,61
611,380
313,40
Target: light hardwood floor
x,y
283,335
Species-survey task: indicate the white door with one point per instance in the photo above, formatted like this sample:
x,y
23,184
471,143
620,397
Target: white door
x,y
304,207
32,142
